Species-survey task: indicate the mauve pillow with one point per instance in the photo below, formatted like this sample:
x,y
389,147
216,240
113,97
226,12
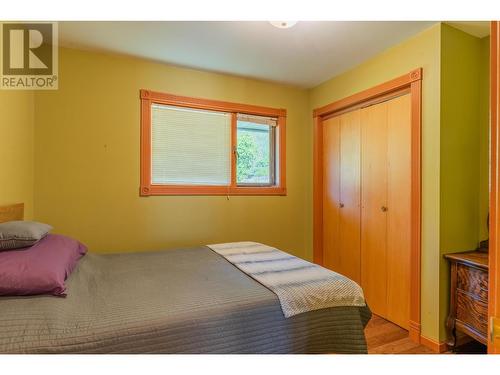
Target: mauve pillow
x,y
41,268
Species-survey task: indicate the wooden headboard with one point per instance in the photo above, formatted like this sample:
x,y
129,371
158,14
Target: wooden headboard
x,y
12,212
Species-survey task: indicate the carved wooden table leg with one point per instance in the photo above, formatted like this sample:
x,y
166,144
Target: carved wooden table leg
x,y
451,331
450,322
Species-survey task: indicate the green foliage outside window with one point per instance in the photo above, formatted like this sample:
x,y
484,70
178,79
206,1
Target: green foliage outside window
x,y
253,157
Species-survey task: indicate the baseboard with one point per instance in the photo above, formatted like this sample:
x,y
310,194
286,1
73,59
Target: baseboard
x,y
435,346
414,331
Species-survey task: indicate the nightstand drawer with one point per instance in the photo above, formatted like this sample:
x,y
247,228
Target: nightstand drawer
x,y
473,281
468,296
472,312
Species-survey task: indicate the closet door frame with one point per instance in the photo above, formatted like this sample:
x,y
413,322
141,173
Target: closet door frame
x,y
494,246
408,83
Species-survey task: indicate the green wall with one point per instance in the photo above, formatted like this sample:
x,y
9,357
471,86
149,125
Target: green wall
x,y
484,137
460,139
464,158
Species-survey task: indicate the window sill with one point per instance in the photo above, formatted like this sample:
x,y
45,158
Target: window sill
x,y
210,190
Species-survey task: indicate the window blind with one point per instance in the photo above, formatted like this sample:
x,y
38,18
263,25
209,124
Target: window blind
x,y
190,146
271,121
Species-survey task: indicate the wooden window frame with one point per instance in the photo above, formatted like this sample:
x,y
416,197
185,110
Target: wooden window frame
x,y
412,82
147,188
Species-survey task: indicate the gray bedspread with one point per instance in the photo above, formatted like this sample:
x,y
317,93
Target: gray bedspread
x,y
176,301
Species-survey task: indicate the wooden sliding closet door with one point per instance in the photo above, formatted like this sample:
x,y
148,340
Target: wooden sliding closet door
x,y
350,218
374,206
341,194
386,208
331,192
399,209
367,203
369,194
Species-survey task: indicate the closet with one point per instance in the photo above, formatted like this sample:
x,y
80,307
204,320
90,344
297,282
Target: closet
x,y
367,202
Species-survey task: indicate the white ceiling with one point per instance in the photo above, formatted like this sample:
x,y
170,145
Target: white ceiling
x,y
305,55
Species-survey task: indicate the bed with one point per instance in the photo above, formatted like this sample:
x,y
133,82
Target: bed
x,y
177,301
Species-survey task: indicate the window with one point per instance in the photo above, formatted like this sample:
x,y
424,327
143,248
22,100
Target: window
x,y
203,147
255,152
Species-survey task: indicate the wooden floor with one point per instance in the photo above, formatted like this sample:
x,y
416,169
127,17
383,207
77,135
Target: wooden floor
x,y
384,337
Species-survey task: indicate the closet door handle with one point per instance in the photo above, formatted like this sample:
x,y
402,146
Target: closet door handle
x,y
384,208
341,205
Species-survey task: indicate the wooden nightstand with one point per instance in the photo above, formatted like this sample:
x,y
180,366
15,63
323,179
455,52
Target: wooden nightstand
x,y
468,296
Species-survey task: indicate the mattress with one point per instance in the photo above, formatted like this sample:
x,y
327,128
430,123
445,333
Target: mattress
x,y
175,301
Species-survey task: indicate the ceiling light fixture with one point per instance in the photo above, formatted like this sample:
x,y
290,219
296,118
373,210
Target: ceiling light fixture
x,y
283,24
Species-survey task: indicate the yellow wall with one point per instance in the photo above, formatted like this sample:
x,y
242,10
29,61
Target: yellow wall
x,y
464,146
87,161
16,148
423,50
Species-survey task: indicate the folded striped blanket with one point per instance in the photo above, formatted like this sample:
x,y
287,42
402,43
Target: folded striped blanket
x,y
301,286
